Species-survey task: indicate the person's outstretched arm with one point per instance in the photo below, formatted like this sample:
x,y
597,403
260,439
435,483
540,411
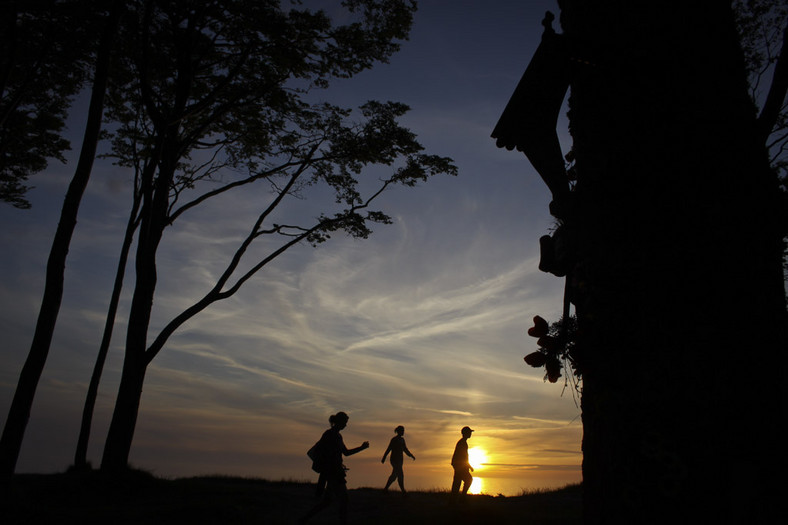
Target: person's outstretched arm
x,y
364,446
386,453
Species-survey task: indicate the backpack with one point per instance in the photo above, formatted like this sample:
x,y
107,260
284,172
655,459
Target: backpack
x,y
316,455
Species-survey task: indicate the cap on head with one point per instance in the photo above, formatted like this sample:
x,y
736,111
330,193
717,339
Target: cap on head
x,y
466,430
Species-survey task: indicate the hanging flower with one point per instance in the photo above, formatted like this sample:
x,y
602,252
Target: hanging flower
x,y
540,327
557,347
553,368
536,359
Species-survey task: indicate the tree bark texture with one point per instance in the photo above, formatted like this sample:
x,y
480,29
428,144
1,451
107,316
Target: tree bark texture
x,y
678,284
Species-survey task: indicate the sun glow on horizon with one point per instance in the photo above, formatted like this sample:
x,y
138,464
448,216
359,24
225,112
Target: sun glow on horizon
x,y
477,457
477,485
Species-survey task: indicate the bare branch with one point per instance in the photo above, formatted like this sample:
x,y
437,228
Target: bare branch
x,y
216,293
777,91
777,140
243,182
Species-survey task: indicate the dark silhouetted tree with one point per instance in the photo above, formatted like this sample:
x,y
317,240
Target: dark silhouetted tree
x,y
763,32
43,63
81,453
220,93
680,293
52,114
671,242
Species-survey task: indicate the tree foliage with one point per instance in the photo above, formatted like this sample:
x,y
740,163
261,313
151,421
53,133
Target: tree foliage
x,y
763,26
45,50
217,96
763,33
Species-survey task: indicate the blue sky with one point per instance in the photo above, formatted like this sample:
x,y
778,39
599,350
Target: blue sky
x,y
423,324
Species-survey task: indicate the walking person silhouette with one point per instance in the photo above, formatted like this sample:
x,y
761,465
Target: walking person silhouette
x,y
462,465
330,450
397,447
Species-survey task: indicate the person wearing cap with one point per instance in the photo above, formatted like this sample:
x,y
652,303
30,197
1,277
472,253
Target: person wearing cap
x,y
461,464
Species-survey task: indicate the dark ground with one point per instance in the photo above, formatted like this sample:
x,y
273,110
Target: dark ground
x,y
90,498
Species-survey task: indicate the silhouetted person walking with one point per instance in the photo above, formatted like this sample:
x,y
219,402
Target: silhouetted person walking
x,y
321,478
462,466
397,447
330,450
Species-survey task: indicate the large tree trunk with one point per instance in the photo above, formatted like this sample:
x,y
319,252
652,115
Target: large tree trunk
x,y
124,417
155,189
678,287
153,222
19,413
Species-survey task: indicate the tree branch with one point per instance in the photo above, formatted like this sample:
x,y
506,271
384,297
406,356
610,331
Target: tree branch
x,y
242,182
216,293
777,91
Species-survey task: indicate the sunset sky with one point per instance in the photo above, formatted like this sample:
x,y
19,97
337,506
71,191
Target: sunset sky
x,y
422,325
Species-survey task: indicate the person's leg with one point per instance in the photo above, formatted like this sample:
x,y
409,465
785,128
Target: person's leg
x,y
455,485
321,485
324,502
391,479
467,480
341,491
400,477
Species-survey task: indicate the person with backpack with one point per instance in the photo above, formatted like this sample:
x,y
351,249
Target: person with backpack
x,y
327,460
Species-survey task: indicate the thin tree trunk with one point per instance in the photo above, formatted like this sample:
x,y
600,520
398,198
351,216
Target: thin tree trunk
x,y
80,456
19,413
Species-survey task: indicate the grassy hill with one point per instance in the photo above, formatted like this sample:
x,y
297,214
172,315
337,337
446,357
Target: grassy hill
x,y
139,498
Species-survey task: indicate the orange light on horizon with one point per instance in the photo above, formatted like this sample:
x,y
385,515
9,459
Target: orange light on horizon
x,y
477,457
477,485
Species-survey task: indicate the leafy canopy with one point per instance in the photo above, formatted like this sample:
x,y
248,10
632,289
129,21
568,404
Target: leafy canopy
x,y
45,55
223,92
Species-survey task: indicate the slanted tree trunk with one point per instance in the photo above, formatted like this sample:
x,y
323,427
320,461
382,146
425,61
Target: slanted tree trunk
x,y
124,418
19,413
678,286
153,222
80,456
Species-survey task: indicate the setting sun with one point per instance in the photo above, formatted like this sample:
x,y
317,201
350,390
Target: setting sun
x,y
477,457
